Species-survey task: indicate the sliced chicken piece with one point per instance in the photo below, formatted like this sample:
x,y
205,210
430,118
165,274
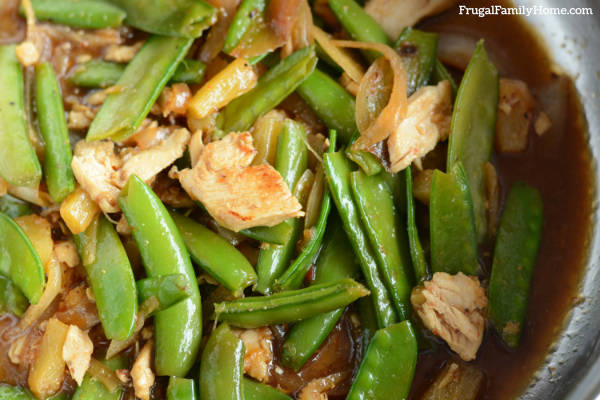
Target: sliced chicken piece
x,y
77,352
174,99
237,195
515,112
317,388
148,163
426,123
94,164
141,373
453,307
66,253
259,352
122,54
395,15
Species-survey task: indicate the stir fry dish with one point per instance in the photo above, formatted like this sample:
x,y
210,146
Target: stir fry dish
x,y
259,199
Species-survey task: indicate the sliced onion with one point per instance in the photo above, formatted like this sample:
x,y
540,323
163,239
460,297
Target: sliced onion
x,y
456,49
216,37
259,39
375,121
341,57
301,30
282,16
52,289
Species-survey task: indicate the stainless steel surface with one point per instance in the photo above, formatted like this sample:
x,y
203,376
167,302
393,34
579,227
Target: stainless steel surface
x,y
572,368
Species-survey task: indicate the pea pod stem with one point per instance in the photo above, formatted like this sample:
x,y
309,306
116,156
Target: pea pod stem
x,y
84,14
142,81
53,128
178,329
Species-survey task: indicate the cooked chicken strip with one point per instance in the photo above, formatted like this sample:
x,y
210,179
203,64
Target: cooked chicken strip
x,y
515,112
77,352
141,373
453,307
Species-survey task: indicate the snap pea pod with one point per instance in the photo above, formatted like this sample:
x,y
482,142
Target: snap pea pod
x,y
473,127
338,170
292,278
216,255
8,392
331,102
360,25
259,391
388,367
93,389
178,329
14,207
245,14
19,165
101,74
336,261
517,244
291,159
179,18
420,267
20,261
53,128
11,298
84,14
222,366
110,277
142,81
277,234
440,73
365,160
418,50
452,224
181,389
290,306
270,90
386,233
168,290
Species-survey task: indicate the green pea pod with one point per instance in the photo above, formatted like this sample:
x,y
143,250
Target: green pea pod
x,y
420,267
8,392
179,18
418,50
272,87
338,170
14,207
360,25
178,329
452,224
111,279
142,81
19,165
440,73
473,127
92,389
243,18
53,128
387,234
11,298
290,306
331,102
397,185
259,391
291,160
336,261
20,261
181,389
365,160
277,234
84,14
222,366
368,320
517,244
189,71
216,255
292,278
168,290
388,367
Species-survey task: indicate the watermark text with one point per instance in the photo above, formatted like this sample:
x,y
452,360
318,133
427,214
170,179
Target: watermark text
x,y
523,10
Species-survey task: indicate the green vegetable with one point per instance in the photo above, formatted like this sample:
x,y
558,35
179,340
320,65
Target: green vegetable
x,y
272,87
338,170
92,389
258,391
168,289
8,392
143,80
181,389
216,255
420,267
14,207
517,244
111,278
440,73
222,366
53,128
289,306
418,50
189,71
180,18
243,18
277,234
473,126
388,366
365,160
11,298
178,329
452,225
20,261
19,165
85,14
